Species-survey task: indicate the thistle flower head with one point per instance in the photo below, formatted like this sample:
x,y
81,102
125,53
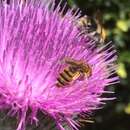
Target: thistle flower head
x,y
34,39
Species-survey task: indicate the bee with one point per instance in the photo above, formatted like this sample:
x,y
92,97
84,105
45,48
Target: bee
x,y
76,70
92,26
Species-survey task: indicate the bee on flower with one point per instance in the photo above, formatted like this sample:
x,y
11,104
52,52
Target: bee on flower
x,y
76,70
33,39
93,27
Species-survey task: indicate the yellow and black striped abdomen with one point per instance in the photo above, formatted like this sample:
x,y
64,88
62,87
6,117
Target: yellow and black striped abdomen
x,y
66,77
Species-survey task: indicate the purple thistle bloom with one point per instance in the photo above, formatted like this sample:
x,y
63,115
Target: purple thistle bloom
x,y
33,40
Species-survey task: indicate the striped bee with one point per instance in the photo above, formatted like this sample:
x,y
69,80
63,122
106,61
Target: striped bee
x,y
92,26
76,70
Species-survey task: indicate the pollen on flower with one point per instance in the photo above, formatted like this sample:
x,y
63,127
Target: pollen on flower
x,y
34,38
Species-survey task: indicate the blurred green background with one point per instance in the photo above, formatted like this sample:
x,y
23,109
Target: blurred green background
x,y
116,21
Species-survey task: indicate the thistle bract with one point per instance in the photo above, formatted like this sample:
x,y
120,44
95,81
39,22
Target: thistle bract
x,y
34,38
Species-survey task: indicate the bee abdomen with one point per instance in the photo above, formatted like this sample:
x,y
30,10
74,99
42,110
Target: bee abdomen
x,y
68,72
65,78
60,82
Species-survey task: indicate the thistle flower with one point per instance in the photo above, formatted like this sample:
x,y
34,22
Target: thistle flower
x,y
34,38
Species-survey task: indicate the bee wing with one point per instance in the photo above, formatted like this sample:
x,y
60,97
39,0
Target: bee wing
x,y
100,29
98,19
73,62
98,16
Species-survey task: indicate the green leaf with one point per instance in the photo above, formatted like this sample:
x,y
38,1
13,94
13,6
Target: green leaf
x,y
121,70
71,2
122,25
127,109
125,57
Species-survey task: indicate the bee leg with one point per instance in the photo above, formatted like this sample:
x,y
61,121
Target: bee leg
x,y
82,77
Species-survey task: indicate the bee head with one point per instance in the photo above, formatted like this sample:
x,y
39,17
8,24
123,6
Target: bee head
x,y
86,70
